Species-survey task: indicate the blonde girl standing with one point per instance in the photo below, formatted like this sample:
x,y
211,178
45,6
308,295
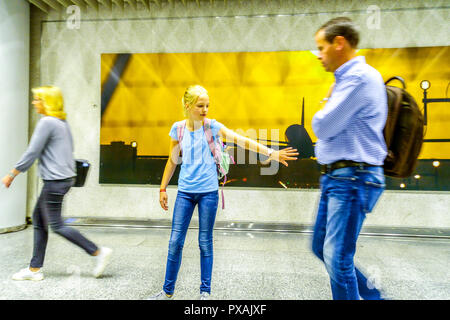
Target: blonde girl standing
x,y
198,185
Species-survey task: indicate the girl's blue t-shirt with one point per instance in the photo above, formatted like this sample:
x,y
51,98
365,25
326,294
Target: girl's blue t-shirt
x,y
198,170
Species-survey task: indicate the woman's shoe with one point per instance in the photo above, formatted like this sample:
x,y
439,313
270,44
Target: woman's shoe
x,y
27,274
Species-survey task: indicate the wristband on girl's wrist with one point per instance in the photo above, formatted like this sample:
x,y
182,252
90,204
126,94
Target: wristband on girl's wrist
x,y
162,190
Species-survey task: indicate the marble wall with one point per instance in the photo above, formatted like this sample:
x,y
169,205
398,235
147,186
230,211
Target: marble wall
x,y
70,58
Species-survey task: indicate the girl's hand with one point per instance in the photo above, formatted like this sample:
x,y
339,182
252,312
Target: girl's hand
x,y
163,198
284,154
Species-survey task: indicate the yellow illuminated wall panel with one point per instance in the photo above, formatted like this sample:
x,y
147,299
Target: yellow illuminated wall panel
x,y
254,90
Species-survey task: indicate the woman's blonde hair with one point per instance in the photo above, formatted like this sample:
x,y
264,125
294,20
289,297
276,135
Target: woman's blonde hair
x,y
191,95
52,99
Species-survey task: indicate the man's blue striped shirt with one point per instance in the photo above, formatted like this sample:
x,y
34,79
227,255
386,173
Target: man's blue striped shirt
x,y
350,126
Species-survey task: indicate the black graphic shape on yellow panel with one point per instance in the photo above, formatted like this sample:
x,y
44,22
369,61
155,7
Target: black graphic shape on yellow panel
x,y
298,138
113,79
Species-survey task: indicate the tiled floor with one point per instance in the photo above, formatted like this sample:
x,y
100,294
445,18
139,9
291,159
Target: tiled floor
x,y
250,266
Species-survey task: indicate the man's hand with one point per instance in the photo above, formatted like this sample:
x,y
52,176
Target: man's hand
x,y
330,91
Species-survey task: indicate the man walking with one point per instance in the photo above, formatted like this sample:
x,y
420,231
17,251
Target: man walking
x,y
351,151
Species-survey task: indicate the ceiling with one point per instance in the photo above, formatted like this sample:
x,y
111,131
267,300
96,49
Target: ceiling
x,y
49,5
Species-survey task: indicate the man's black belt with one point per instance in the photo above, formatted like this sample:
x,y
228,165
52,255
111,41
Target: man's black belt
x,y
60,180
327,168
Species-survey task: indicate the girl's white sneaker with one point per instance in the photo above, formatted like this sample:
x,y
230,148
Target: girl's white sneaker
x,y
204,296
160,296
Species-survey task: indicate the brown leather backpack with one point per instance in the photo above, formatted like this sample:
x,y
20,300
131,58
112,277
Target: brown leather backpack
x,y
404,132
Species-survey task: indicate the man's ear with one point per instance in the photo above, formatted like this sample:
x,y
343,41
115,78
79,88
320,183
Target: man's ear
x,y
339,42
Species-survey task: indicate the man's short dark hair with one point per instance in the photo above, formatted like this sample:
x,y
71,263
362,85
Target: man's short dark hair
x,y
341,26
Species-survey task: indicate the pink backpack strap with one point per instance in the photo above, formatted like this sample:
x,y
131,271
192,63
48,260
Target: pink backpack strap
x,y
223,197
212,147
209,136
180,132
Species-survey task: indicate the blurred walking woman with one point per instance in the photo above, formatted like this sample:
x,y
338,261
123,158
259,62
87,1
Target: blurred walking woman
x,y
198,184
52,144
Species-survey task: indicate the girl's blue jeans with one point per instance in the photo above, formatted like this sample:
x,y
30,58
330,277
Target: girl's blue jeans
x,y
182,214
347,195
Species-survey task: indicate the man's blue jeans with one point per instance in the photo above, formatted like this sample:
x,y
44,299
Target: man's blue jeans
x,y
182,214
347,195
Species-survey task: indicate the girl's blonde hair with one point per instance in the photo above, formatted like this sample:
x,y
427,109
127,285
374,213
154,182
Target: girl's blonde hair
x,y
190,97
52,100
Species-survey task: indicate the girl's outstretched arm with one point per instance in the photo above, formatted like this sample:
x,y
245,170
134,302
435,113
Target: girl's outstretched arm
x,y
282,155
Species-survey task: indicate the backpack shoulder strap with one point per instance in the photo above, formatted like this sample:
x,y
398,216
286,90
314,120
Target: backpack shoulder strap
x,y
209,136
181,126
